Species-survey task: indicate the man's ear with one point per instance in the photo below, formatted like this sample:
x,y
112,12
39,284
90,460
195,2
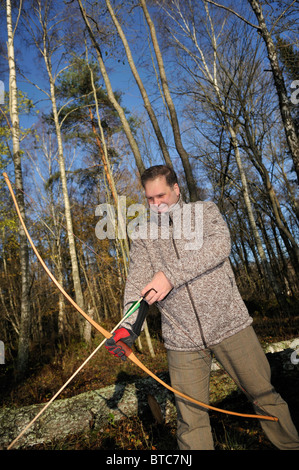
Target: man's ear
x,y
176,189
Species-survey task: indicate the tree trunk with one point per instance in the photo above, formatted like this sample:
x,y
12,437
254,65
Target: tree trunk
x,y
290,277
252,223
67,207
68,215
232,133
277,213
23,347
284,105
140,85
111,96
192,187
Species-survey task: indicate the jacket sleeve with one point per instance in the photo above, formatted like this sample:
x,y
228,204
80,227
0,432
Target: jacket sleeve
x,y
140,274
215,249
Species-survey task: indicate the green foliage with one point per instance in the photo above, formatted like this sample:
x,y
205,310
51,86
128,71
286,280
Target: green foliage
x,y
75,93
75,82
289,57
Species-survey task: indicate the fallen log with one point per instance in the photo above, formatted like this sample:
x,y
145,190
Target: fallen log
x,y
86,411
92,410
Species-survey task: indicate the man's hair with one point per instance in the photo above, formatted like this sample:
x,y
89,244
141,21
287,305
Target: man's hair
x,y
157,171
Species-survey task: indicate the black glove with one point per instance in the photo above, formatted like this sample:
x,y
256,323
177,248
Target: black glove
x,y
121,334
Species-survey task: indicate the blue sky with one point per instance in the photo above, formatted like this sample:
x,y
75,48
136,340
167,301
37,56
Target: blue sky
x,y
120,76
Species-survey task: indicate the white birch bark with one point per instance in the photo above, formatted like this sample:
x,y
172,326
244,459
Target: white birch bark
x,y
23,347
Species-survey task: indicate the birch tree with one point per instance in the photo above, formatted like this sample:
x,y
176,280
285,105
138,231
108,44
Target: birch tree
x,y
46,150
45,28
24,332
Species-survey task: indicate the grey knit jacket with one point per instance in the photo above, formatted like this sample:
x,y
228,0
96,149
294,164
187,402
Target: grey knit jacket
x,y
204,307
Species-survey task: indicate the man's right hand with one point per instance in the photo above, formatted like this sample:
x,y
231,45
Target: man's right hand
x,y
157,289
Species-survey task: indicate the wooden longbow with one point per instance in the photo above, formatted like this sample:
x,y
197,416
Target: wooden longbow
x,y
107,334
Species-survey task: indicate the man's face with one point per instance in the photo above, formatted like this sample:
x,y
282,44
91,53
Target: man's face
x,y
160,195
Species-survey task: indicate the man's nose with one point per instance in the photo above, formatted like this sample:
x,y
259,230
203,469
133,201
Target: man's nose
x,y
156,201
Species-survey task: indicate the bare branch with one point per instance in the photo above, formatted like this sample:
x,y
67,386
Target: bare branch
x,y
234,13
19,14
282,14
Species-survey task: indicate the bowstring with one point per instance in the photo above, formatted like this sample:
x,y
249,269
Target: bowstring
x,y
162,310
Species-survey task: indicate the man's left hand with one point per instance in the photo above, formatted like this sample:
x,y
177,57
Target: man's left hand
x,y
157,289
121,334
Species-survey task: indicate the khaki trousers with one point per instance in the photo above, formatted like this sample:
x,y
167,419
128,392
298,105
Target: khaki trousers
x,y
242,357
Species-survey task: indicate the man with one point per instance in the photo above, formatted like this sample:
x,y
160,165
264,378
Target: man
x,y
188,274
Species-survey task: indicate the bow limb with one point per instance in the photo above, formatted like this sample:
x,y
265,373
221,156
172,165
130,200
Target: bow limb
x,y
133,358
104,332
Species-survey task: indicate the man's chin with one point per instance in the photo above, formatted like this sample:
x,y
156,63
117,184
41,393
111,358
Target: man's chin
x,y
162,208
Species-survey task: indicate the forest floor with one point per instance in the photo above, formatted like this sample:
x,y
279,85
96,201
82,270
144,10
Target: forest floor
x,y
144,433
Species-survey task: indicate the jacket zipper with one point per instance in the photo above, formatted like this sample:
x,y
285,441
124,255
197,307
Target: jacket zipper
x,y
191,299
